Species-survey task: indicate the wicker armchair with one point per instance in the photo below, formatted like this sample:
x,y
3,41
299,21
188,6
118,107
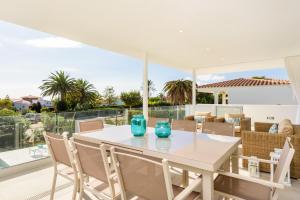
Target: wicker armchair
x,y
260,143
207,119
245,125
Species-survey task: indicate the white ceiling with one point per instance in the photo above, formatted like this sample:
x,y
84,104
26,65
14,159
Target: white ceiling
x,y
210,35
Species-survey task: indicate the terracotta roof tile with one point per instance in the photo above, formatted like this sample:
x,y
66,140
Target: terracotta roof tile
x,y
244,82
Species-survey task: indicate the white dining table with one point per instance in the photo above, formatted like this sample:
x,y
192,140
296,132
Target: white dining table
x,y
197,152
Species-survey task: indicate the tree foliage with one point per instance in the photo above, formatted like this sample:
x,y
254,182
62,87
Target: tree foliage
x,y
6,103
109,95
204,98
73,94
132,98
179,91
58,84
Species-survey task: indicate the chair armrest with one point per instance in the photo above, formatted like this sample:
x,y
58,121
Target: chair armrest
x,y
219,119
257,159
189,117
210,118
246,124
188,190
262,126
254,180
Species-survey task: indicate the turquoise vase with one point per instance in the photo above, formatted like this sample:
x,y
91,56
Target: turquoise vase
x,y
162,129
138,125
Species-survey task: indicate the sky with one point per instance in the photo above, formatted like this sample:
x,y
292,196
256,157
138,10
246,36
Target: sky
x,y
28,56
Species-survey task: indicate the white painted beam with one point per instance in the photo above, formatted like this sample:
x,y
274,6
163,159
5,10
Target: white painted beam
x,y
145,87
194,92
292,65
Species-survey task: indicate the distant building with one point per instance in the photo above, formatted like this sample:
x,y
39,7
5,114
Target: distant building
x,y
21,104
30,98
44,103
252,91
26,102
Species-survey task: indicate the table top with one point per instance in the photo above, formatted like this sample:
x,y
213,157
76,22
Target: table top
x,y
202,151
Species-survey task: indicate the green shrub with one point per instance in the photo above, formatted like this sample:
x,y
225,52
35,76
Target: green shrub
x,y
7,112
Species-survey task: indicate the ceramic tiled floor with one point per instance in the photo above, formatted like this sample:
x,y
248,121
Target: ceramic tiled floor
x,y
35,185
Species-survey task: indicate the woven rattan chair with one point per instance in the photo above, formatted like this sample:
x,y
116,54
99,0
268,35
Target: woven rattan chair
x,y
218,128
90,125
92,162
61,154
142,178
184,125
152,121
242,187
260,143
245,124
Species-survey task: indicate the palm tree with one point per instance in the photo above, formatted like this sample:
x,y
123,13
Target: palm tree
x,y
85,92
178,91
58,84
151,88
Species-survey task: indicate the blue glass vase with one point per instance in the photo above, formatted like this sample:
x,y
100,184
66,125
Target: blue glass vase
x,y
162,129
138,125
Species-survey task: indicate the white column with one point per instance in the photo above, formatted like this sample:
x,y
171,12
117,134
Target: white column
x,y
216,97
194,92
292,65
145,87
223,98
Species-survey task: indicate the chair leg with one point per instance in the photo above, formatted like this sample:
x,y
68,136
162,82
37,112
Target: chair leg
x,y
81,189
53,184
75,189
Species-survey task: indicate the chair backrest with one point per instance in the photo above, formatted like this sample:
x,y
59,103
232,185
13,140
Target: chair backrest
x,y
284,161
91,160
218,128
184,125
90,125
140,176
59,148
152,121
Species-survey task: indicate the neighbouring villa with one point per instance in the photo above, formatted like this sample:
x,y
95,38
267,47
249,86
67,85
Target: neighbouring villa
x,y
252,91
24,103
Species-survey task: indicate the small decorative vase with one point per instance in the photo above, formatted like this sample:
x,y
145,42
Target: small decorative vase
x,y
138,125
162,129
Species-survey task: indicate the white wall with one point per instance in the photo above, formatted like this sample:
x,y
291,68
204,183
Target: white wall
x,y
269,95
258,113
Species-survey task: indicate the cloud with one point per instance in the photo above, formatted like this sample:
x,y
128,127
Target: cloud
x,y
53,42
210,78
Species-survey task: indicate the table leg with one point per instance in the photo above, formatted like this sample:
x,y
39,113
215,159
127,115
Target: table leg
x,y
208,185
185,178
235,162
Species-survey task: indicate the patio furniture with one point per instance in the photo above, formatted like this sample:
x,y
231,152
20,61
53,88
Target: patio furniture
x,y
260,143
200,117
60,151
241,123
184,125
89,125
153,182
152,121
236,186
218,128
184,150
92,162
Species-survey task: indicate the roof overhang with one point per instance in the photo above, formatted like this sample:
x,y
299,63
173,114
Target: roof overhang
x,y
208,35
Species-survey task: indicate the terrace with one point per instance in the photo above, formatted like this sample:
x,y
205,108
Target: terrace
x,y
200,37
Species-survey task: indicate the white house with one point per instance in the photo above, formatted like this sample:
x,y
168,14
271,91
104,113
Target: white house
x,y
252,91
21,104
44,102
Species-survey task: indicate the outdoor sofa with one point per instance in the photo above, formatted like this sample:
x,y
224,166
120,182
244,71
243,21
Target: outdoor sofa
x,y
260,143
